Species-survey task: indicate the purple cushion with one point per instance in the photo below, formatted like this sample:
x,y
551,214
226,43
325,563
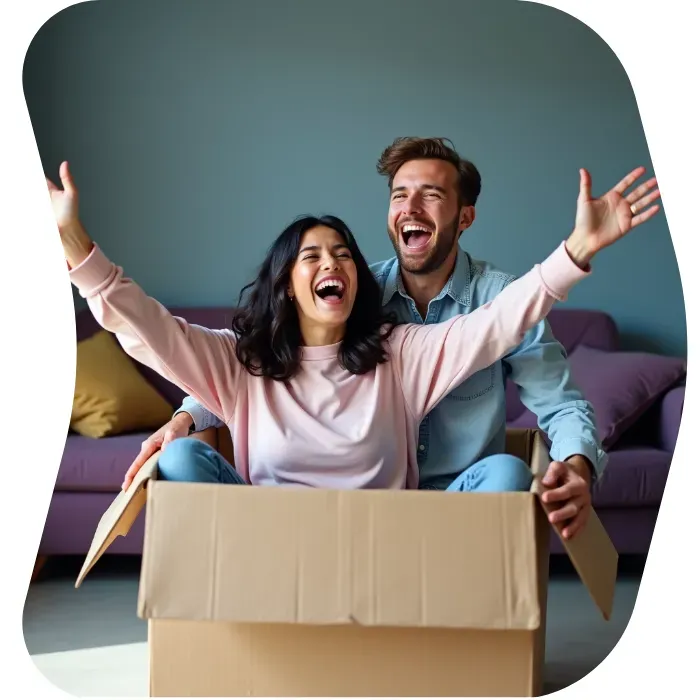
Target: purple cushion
x,y
91,464
621,386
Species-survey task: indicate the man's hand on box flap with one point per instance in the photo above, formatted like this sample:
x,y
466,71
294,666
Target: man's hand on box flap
x,y
177,427
568,487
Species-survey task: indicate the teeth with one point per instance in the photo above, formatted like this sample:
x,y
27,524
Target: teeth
x,y
331,283
409,228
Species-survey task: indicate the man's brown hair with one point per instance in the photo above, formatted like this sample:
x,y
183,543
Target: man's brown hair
x,y
406,148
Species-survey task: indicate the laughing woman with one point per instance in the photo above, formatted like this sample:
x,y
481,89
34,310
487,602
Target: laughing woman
x,y
318,387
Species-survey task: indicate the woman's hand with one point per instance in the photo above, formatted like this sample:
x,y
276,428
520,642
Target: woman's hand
x,y
601,222
175,428
76,243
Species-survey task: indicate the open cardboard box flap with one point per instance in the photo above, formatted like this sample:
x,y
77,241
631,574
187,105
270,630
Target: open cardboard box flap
x,y
283,589
591,551
120,516
123,511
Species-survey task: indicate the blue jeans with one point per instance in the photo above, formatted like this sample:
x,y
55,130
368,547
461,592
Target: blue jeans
x,y
191,460
497,473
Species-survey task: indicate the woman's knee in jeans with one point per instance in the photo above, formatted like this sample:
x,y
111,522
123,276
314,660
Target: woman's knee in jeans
x,y
184,459
505,472
497,473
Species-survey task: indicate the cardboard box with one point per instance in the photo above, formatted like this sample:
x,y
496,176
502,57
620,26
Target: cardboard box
x,y
259,591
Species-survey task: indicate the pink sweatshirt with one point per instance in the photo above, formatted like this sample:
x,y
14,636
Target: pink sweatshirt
x,y
326,427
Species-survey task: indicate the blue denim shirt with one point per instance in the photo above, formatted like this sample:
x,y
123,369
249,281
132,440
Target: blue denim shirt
x,y
470,423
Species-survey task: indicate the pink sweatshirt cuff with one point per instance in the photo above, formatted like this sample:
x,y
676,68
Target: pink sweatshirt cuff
x,y
93,274
560,273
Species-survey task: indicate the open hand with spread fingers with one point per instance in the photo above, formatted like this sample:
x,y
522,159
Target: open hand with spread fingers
x,y
603,221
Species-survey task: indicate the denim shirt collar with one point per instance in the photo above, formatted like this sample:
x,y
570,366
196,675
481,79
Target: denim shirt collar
x,y
458,286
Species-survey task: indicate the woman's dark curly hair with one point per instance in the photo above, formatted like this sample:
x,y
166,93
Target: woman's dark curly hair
x,y
267,325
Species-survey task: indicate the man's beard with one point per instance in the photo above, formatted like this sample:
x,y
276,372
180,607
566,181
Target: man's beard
x,y
436,257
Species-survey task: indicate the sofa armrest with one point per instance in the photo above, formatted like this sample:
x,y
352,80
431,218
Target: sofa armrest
x,y
670,418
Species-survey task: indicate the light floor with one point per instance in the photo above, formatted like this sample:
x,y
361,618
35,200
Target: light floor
x,y
90,642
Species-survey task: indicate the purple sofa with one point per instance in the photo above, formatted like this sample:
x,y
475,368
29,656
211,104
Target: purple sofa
x,y
642,419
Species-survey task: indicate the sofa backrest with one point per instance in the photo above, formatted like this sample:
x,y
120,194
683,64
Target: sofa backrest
x,y
571,327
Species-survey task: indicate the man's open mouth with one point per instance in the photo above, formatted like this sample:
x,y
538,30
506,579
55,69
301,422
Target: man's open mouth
x,y
416,236
331,290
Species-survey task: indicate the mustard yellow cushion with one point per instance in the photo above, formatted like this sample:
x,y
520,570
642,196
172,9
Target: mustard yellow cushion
x,y
111,396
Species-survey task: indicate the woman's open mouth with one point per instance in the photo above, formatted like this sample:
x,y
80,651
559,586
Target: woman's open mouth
x,y
416,237
331,290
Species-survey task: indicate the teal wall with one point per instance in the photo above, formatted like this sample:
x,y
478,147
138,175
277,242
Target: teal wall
x,y
197,130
